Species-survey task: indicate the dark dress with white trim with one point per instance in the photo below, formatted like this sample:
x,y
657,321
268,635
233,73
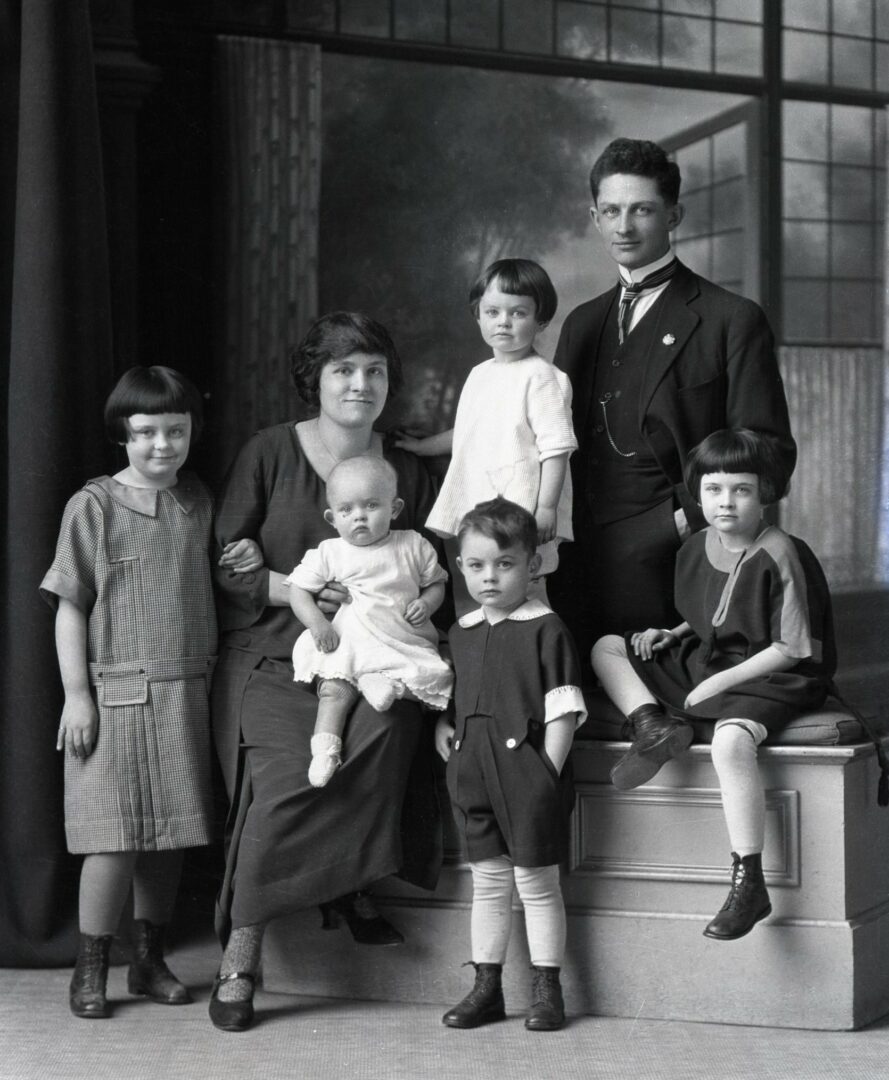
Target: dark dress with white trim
x,y
511,677
737,604
136,561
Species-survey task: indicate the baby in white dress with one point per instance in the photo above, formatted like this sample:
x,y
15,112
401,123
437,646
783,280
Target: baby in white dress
x,y
381,644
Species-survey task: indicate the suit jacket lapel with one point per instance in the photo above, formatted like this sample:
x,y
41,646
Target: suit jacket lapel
x,y
676,322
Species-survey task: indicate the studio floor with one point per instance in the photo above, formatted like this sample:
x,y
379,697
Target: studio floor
x,y
299,1038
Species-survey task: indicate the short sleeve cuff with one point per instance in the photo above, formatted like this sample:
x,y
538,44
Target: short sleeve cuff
x,y
562,700
58,586
546,452
802,650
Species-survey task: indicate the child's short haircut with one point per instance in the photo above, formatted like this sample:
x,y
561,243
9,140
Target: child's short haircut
x,y
637,157
739,450
152,391
518,277
503,521
374,468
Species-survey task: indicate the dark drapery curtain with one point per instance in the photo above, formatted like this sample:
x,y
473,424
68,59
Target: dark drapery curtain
x,y
55,368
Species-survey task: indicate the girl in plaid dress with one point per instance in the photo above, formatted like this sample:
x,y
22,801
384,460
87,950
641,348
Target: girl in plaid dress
x,y
136,641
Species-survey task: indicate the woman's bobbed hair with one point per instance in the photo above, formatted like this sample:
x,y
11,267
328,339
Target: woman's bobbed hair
x,y
333,337
152,391
739,450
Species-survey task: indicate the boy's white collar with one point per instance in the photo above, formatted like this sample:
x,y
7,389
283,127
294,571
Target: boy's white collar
x,y
531,609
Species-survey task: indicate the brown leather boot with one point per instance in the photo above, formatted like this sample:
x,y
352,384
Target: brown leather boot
x,y
87,991
547,1012
148,974
484,1002
747,901
656,738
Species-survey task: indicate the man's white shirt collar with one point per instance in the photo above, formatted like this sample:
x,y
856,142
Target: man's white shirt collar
x,y
640,272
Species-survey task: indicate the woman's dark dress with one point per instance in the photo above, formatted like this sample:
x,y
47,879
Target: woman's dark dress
x,y
292,845
737,604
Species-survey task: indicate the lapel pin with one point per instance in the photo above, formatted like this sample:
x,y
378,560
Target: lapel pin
x,y
669,339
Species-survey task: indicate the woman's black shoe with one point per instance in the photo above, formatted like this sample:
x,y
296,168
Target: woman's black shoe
x,y
366,923
232,1015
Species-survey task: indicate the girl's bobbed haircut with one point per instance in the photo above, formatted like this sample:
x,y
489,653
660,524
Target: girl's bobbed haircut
x,y
518,277
152,390
333,337
739,450
503,521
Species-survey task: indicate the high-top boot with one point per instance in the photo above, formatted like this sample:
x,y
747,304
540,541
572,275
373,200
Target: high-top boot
x,y
484,1002
148,974
747,901
656,739
547,1012
87,991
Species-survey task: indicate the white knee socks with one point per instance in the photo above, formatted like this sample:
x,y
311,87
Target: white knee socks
x,y
743,797
541,896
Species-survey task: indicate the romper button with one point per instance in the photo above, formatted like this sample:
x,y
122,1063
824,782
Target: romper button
x,y
457,745
510,743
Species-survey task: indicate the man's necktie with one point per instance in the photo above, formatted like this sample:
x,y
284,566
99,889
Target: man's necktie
x,y
632,291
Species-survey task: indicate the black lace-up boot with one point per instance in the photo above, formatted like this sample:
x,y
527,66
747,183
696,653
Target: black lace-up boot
x,y
547,1012
747,901
656,738
484,1002
87,992
148,974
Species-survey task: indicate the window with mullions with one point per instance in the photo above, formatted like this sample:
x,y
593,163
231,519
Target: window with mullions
x,y
721,36
834,194
837,42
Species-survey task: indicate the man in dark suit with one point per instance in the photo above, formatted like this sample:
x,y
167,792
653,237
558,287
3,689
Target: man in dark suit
x,y
656,363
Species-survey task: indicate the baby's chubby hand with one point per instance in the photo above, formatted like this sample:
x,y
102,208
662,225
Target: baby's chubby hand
x,y
326,639
417,612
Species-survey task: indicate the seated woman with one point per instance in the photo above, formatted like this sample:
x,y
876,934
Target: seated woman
x,y
292,845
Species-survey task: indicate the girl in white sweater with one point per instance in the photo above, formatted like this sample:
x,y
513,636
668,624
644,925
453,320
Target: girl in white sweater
x,y
512,435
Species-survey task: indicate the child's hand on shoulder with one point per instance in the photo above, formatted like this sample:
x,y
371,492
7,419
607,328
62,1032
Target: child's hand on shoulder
x,y
79,726
417,612
405,441
444,737
326,639
545,516
242,556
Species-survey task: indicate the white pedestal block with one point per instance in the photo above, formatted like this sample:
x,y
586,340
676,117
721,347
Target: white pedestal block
x,y
649,869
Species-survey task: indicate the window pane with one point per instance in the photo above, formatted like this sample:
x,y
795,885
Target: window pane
x,y
851,194
851,250
368,17
853,17
420,20
697,219
744,10
696,254
654,5
805,310
807,14
882,67
805,130
729,152
474,23
728,259
805,248
582,31
805,56
691,7
527,26
694,164
634,37
852,311
728,205
738,49
883,21
805,190
315,15
687,43
852,63
852,134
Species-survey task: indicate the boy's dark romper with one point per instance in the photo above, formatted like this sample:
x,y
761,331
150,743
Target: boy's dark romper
x,y
505,790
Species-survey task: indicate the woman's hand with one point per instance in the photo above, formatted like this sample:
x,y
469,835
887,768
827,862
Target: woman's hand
x,y
444,737
332,597
79,726
647,642
545,516
242,556
417,612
